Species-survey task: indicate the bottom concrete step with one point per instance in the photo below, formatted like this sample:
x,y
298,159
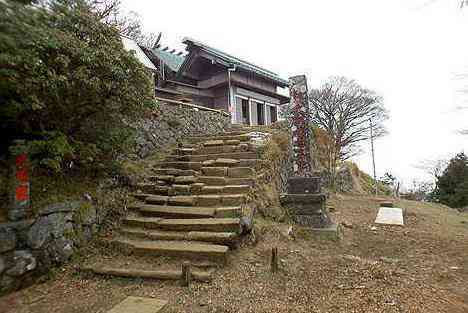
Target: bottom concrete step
x,y
204,276
187,249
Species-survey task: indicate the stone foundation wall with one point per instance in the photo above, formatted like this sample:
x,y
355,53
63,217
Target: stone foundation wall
x,y
172,121
30,248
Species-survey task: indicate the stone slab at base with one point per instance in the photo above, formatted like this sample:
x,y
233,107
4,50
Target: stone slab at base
x,y
390,216
386,204
140,305
333,232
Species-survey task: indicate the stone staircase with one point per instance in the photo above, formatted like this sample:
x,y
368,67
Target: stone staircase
x,y
190,208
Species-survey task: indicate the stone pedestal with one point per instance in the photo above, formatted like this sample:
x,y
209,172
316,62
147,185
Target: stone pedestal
x,y
307,209
306,204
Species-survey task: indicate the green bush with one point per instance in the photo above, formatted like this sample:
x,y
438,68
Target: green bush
x,y
452,186
51,152
68,83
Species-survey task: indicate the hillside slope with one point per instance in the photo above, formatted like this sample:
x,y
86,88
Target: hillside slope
x,y
422,267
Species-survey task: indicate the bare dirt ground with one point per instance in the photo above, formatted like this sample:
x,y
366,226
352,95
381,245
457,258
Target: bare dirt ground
x,y
422,267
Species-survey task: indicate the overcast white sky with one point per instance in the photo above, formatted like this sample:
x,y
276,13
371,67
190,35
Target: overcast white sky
x,y
410,51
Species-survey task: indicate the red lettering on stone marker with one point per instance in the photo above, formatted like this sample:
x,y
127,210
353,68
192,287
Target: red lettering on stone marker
x,y
22,193
21,159
22,175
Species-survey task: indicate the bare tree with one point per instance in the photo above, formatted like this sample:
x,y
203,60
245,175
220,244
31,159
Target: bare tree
x,y
129,25
433,167
345,110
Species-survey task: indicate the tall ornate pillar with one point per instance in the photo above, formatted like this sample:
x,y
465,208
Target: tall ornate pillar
x,y
305,201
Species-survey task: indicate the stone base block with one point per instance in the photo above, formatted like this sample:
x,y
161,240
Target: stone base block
x,y
332,232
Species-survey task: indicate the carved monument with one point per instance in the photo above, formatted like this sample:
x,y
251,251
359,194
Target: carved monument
x,y
305,201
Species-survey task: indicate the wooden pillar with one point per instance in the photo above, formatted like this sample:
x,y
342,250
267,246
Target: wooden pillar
x,y
274,260
186,274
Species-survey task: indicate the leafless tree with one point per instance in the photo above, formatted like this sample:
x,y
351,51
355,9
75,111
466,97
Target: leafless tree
x,y
129,25
433,167
345,110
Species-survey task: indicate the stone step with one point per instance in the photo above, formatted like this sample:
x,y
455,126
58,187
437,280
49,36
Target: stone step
x,y
197,139
173,249
185,151
215,171
202,224
199,200
203,276
174,211
196,166
173,172
224,238
190,224
207,157
225,181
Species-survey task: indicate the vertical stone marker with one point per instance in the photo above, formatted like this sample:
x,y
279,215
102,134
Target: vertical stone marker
x,y
305,200
20,203
300,126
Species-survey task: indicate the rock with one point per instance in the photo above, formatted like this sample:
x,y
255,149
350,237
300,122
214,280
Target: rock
x,y
48,227
60,207
24,262
347,224
7,283
7,240
60,250
287,232
86,214
246,224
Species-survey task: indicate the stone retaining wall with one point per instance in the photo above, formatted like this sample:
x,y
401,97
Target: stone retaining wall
x,y
172,121
29,248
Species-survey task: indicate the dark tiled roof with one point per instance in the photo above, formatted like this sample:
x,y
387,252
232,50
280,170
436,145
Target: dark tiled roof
x,y
172,60
236,61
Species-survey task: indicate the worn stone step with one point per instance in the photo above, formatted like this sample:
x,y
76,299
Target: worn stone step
x,y
212,190
174,211
215,171
209,200
241,172
212,180
228,189
196,166
141,196
172,172
201,224
252,163
187,224
197,139
203,276
224,238
223,181
207,157
183,180
165,178
187,249
185,151
211,143
236,189
223,149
